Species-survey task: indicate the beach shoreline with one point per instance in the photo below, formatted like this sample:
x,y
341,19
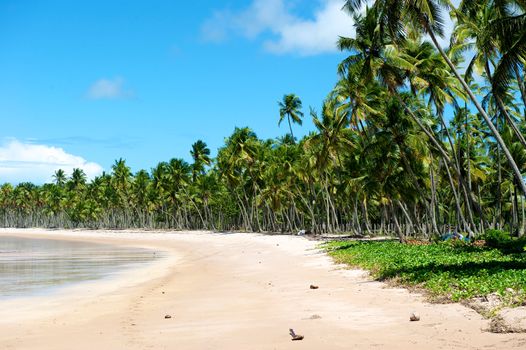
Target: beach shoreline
x,y
234,291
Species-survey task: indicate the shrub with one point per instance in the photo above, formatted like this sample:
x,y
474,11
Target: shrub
x,y
504,242
496,238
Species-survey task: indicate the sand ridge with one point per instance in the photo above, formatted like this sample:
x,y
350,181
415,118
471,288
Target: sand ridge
x,y
237,291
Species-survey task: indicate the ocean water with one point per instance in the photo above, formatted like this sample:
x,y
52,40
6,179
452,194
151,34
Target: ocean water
x,y
40,266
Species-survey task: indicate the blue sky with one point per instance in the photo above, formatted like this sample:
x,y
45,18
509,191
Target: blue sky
x,y
85,83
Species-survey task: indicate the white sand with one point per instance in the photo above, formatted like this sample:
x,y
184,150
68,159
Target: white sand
x,y
235,291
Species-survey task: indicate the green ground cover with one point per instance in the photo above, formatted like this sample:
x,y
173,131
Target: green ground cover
x,y
447,271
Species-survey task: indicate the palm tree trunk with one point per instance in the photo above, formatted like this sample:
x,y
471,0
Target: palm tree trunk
x,y
516,210
455,195
355,216
503,109
205,227
422,126
290,127
406,214
481,110
510,121
244,213
444,154
433,197
521,231
366,216
327,206
522,88
469,184
309,208
499,182
398,228
457,167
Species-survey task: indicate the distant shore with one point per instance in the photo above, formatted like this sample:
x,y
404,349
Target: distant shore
x,y
235,291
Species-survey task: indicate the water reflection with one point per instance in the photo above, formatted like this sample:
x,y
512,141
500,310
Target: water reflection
x,y
35,266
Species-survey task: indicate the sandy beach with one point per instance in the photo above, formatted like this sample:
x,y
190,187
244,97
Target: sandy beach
x,y
235,291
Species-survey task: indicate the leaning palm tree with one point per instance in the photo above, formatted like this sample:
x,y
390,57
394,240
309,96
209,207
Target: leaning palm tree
x,y
427,15
290,107
375,57
475,29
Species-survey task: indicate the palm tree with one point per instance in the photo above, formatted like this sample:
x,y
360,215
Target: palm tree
x,y
201,155
236,162
60,177
330,143
427,15
178,179
375,57
290,107
77,179
475,30
432,80
121,183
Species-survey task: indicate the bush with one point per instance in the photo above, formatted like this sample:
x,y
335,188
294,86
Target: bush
x,y
496,238
503,241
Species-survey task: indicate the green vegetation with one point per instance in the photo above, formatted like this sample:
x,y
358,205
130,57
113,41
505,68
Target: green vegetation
x,y
504,242
447,271
385,156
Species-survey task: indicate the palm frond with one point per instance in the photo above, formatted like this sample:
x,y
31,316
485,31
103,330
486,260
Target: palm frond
x,y
511,59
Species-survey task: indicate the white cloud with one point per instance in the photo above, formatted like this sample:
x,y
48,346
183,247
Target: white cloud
x,y
21,162
293,34
314,36
109,89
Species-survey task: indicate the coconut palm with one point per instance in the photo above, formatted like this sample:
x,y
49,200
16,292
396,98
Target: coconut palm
x,y
290,107
201,155
60,177
77,179
427,15
236,162
475,30
378,58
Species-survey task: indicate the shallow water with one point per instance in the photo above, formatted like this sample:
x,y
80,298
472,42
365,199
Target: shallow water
x,y
31,266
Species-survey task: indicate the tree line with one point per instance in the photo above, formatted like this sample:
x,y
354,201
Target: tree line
x,y
415,139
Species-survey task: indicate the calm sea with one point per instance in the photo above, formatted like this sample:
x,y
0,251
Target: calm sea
x,y
39,266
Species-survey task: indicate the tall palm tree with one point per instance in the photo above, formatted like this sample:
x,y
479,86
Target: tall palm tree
x,y
375,57
201,155
290,107
331,141
121,177
475,30
236,162
427,15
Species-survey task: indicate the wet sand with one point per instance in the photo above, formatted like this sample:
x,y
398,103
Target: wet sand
x,y
235,291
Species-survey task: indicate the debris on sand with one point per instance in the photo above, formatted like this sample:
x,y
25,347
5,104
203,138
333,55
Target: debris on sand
x,y
294,335
414,317
167,316
313,286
